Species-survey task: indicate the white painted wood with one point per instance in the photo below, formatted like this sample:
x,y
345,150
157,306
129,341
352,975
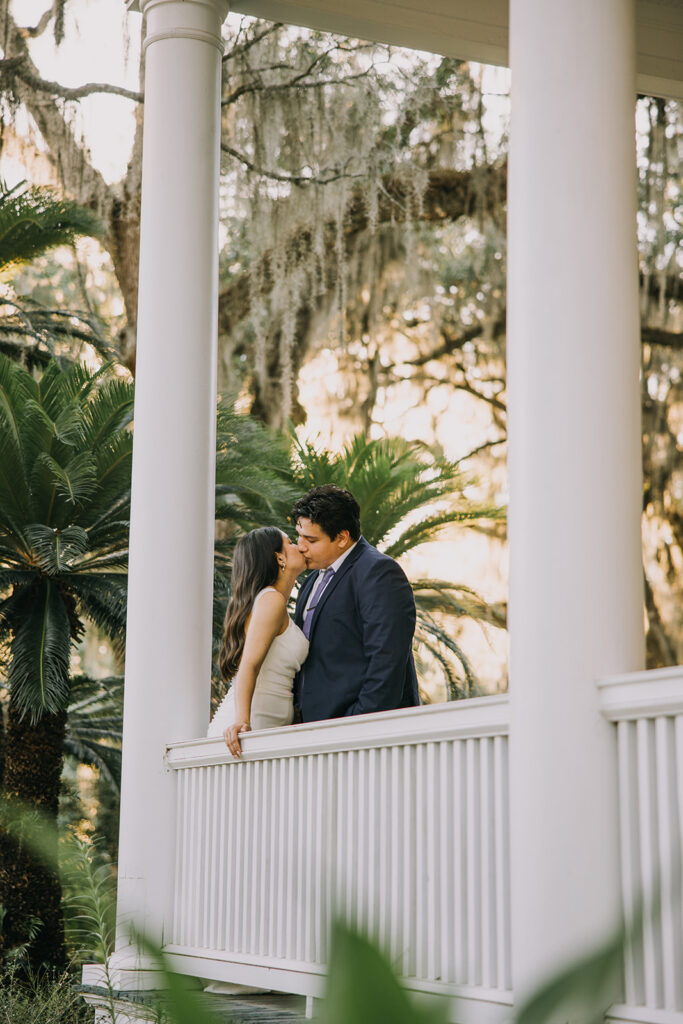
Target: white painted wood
x,y
194,871
430,799
476,1006
649,862
474,879
624,1014
478,30
670,889
645,707
630,858
677,872
222,861
488,970
576,601
168,649
415,834
642,694
502,863
480,716
445,868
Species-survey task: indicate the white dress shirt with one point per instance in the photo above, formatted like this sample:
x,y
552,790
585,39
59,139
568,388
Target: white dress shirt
x,y
335,565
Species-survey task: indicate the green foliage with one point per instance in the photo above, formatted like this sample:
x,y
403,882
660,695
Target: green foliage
x,y
65,454
363,989
89,899
581,991
41,1000
182,1003
94,725
33,220
33,333
254,485
408,493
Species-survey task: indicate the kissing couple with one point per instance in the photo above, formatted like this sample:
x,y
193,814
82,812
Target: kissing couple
x,y
348,650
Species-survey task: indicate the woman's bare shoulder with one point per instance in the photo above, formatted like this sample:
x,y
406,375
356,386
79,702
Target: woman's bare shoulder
x,y
270,597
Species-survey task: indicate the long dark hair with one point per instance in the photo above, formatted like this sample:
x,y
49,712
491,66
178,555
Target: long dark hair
x,y
254,566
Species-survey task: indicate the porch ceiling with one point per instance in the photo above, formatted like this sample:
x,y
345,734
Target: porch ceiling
x,y
476,30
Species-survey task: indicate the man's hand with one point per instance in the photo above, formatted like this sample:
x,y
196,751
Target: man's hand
x,y
231,736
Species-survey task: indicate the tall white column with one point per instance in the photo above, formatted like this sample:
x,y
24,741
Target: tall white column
x,y
168,651
576,604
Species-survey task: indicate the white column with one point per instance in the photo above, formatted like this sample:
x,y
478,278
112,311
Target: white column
x,y
168,651
576,602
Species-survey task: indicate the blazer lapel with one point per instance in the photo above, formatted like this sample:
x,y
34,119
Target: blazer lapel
x,y
346,565
303,598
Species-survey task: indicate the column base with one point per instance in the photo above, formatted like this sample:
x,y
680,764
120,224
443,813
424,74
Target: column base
x,y
125,1011
124,972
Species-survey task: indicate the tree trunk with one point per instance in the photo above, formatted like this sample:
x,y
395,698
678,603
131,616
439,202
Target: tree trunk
x,y
30,891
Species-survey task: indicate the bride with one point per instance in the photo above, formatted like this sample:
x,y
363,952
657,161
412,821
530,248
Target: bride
x,y
262,648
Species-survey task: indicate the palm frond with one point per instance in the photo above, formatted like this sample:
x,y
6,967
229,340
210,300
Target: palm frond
x,y
101,597
427,529
55,550
86,750
76,481
95,725
33,220
428,631
441,596
11,577
456,688
64,518
31,333
254,485
39,668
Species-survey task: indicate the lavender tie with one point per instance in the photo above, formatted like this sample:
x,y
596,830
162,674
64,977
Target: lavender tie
x,y
308,617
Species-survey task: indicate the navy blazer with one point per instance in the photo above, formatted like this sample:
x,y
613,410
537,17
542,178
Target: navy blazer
x,y
361,644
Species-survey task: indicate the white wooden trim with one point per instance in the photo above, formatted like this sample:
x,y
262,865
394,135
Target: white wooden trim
x,y
480,716
620,1013
642,694
299,977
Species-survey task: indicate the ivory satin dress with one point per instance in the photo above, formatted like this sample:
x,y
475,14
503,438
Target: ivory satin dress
x,y
272,704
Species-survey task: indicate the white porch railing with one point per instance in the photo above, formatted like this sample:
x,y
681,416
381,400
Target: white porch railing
x,y
396,822
647,708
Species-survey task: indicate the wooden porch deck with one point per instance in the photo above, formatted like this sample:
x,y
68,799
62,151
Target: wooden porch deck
x,y
261,1008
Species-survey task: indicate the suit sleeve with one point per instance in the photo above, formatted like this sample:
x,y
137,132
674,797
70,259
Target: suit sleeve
x,y
387,610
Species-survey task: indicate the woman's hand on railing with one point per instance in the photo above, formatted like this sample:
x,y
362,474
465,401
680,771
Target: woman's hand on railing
x,y
231,736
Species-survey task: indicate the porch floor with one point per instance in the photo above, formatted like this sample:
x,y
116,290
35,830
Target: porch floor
x,y
268,1008
261,1008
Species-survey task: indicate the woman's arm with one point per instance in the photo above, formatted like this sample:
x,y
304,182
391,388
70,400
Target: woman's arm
x,y
264,625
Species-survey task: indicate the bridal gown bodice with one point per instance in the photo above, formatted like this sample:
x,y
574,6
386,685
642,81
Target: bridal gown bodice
x,y
272,703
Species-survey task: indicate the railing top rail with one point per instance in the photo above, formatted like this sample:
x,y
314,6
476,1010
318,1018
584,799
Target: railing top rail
x,y
642,694
463,719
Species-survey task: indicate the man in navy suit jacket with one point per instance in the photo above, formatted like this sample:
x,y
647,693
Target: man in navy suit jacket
x,y
358,612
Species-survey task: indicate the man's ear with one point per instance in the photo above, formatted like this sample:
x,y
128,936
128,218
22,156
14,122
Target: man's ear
x,y
343,538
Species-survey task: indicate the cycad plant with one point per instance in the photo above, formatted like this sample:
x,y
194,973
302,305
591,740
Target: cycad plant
x,y
408,492
65,463
33,220
254,487
94,725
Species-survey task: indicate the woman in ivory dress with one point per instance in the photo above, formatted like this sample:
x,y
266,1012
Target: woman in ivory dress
x,y
262,648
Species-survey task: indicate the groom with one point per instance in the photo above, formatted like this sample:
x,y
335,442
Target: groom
x,y
357,611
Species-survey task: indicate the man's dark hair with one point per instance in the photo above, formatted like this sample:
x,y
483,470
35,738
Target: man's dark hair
x,y
332,508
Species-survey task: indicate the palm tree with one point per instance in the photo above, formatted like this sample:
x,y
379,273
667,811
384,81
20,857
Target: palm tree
x,y
254,487
65,462
408,492
33,220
